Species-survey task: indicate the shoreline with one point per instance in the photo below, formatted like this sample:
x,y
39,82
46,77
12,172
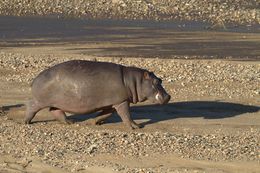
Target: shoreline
x,y
182,25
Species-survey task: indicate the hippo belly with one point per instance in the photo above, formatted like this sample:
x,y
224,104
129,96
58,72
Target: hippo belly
x,y
80,86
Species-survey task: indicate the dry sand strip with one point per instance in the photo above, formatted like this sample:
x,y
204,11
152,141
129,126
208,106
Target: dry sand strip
x,y
12,164
170,163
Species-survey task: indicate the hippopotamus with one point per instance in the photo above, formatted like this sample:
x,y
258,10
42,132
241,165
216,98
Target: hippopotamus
x,y
81,87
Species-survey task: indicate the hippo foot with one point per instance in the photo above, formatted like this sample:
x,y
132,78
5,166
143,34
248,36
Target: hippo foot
x,y
68,121
134,125
102,116
99,123
27,122
96,122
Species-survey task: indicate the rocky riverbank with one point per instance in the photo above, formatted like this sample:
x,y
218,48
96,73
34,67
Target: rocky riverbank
x,y
214,11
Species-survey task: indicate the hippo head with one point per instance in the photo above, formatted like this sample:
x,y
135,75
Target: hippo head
x,y
143,85
152,90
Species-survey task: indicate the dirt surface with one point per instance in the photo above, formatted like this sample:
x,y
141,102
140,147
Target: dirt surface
x,y
212,123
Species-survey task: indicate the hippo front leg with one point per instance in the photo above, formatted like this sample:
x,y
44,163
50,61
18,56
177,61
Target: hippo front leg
x,y
123,111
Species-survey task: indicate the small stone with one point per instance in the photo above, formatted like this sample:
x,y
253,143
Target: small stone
x,y
92,149
170,80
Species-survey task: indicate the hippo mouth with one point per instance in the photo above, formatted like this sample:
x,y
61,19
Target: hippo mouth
x,y
162,98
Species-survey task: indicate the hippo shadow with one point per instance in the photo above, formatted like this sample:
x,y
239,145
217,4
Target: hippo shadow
x,y
11,107
156,113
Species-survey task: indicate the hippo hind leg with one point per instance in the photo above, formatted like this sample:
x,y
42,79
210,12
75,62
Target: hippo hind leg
x,y
60,115
104,114
32,107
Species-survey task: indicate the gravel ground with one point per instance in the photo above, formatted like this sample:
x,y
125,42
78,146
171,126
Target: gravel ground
x,y
213,11
71,148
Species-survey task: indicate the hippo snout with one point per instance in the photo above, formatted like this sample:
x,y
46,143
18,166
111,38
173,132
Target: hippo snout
x,y
162,98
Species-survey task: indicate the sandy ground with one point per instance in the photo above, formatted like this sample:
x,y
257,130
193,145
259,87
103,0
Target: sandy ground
x,y
212,123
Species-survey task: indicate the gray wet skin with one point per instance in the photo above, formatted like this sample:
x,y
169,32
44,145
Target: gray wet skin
x,y
80,86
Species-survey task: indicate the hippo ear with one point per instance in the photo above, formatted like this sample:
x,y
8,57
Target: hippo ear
x,y
146,75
